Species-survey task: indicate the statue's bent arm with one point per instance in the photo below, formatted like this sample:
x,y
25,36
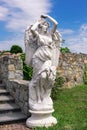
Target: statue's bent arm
x,y
53,21
33,29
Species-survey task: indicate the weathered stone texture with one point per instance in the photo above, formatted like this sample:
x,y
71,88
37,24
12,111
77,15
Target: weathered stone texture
x,y
71,68
19,90
11,67
12,74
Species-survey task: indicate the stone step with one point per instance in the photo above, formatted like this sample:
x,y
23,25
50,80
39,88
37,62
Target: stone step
x,y
6,107
12,116
2,85
9,111
3,91
6,98
0,81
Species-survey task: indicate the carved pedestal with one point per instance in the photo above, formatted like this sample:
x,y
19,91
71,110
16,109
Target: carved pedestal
x,y
41,119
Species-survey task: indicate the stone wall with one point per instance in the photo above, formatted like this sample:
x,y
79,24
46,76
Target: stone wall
x,y
71,68
11,67
19,90
12,75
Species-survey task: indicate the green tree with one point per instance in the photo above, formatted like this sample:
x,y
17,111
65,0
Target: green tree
x,y
16,49
65,50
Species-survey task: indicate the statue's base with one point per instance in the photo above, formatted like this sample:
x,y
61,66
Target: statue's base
x,y
41,119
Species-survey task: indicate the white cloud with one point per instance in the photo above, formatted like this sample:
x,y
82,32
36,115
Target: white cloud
x,y
16,40
83,28
18,14
3,13
21,13
77,42
79,48
66,31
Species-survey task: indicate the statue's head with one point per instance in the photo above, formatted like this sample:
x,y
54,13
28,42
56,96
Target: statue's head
x,y
43,26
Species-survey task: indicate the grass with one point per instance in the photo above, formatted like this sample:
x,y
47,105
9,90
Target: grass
x,y
70,109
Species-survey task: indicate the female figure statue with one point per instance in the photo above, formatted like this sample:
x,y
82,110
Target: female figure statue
x,y
44,46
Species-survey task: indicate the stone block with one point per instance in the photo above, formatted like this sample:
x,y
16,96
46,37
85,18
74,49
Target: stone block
x,y
11,75
11,67
18,74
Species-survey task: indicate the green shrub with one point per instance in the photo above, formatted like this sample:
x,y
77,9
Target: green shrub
x,y
16,49
2,52
65,50
59,81
85,75
27,70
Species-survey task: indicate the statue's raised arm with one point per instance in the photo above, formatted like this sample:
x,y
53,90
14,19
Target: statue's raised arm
x,y
53,30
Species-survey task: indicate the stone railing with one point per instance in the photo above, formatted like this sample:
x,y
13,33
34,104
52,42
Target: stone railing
x,y
11,74
11,67
19,90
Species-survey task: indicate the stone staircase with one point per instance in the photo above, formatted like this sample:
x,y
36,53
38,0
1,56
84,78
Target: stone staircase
x,y
9,111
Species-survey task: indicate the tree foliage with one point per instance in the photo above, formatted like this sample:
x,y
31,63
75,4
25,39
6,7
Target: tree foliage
x,y
16,49
65,50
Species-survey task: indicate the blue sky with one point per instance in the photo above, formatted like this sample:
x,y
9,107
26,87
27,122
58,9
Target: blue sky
x,y
16,15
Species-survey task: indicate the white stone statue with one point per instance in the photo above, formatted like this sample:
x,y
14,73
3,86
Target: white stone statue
x,y
42,47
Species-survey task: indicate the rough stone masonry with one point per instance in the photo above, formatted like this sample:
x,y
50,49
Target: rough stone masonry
x,y
71,68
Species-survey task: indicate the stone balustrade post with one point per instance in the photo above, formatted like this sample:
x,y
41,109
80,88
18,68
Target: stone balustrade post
x,y
11,67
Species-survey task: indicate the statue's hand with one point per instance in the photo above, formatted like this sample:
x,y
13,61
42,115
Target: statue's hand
x,y
43,16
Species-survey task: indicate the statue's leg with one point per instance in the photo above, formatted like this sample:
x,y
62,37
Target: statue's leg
x,y
38,93
42,84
